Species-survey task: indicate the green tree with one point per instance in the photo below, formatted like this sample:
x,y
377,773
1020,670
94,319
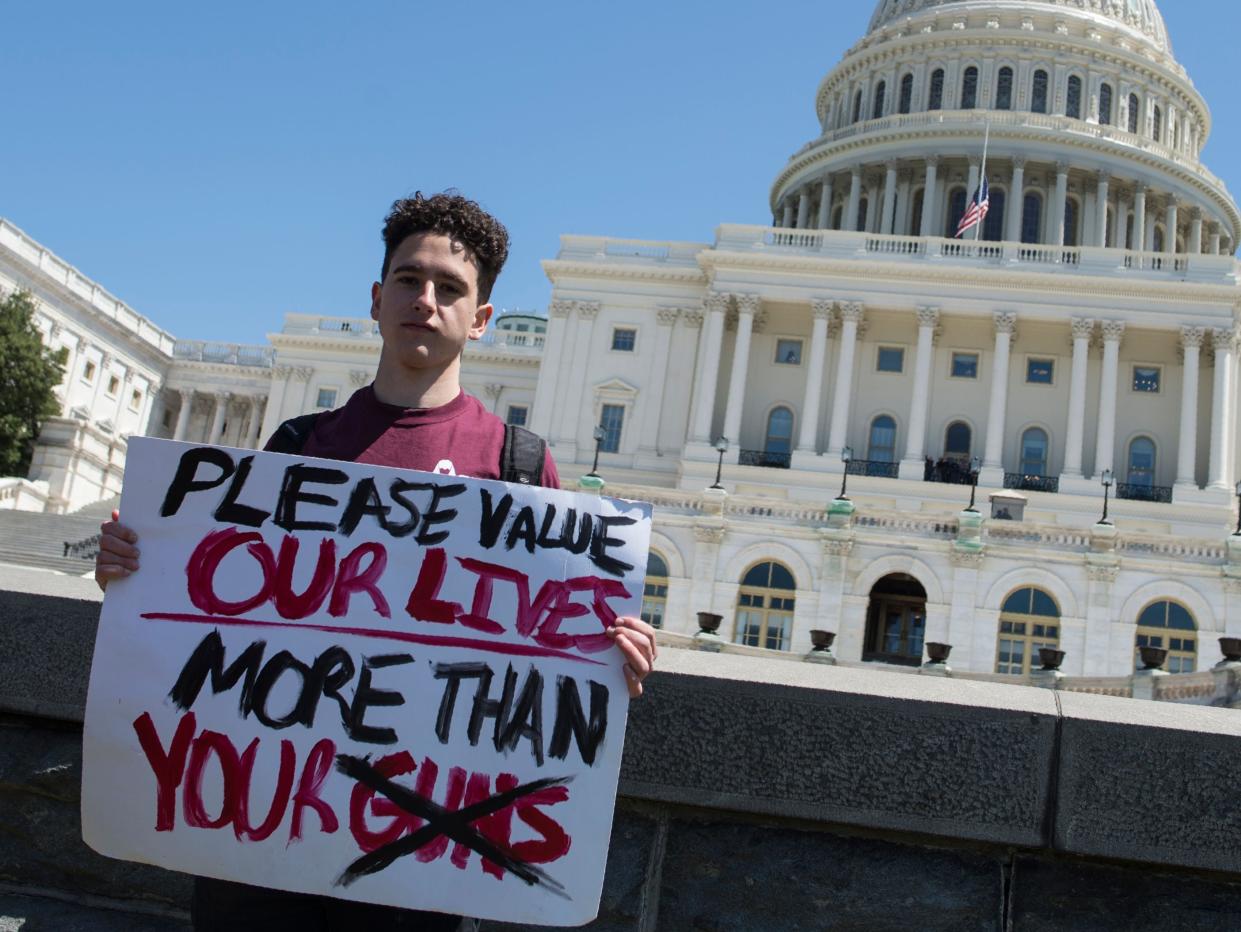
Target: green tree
x,y
29,374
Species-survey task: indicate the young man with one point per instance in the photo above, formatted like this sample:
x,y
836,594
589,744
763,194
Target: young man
x,y
442,255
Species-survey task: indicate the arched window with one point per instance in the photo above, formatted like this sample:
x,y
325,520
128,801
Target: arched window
x,y
779,431
857,106
1141,462
915,222
1169,625
1073,98
969,88
958,440
1134,106
1157,133
935,100
956,208
1029,620
1004,89
1070,222
1105,104
838,216
1157,243
1128,230
655,592
863,210
881,91
907,93
1038,92
1032,218
765,607
882,447
993,225
1034,452
895,621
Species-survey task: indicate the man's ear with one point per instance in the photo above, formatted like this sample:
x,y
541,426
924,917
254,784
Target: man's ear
x,y
482,317
376,292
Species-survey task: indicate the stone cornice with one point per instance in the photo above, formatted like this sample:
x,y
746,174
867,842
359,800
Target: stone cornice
x,y
555,269
229,371
326,341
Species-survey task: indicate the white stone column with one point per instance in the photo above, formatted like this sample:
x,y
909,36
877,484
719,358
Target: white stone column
x,y
912,466
256,422
807,439
928,196
1061,198
183,415
147,411
1221,409
274,414
1187,451
747,307
1101,202
1148,233
971,185
1213,249
889,199
652,404
545,395
787,220
694,320
1015,205
1171,220
222,400
993,456
575,389
1083,328
803,209
1195,232
825,204
122,399
1139,219
855,198
851,315
709,368
1105,431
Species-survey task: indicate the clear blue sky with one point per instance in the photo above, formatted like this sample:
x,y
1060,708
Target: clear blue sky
x,y
217,164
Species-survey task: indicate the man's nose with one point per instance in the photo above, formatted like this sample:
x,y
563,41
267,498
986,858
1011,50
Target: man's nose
x,y
426,295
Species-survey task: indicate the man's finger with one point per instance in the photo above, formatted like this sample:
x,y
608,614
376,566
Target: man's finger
x,y
636,659
639,626
110,544
634,682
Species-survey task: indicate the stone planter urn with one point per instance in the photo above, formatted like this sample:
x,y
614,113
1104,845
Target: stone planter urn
x,y
822,640
938,653
1230,648
1153,658
709,622
1050,658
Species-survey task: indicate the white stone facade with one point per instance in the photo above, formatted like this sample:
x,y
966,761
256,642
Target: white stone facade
x,y
1093,331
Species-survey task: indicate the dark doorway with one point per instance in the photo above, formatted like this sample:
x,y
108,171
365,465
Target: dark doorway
x,y
896,621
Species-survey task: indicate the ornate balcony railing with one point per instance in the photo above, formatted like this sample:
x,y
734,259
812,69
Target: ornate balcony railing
x,y
764,458
1138,492
947,471
1031,483
879,469
232,354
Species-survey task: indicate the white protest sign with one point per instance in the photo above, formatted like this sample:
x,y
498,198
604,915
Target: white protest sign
x,y
363,682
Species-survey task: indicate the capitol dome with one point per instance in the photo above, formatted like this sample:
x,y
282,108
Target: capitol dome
x,y
1140,16
1095,131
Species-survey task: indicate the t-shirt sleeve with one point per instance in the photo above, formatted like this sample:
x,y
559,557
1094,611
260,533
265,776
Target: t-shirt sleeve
x,y
550,478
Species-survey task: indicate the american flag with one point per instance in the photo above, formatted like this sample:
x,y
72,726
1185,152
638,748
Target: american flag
x,y
977,211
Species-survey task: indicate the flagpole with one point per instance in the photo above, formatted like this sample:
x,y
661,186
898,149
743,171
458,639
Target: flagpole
x,y
982,178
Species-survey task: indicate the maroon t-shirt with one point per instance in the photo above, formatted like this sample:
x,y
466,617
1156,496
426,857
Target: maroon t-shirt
x,y
461,437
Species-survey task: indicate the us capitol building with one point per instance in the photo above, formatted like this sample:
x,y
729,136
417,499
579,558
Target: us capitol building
x,y
1087,336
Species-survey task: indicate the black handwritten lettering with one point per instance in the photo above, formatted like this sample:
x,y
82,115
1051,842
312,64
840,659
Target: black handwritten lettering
x,y
186,480
493,518
366,696
454,673
435,515
363,500
208,659
292,494
600,542
571,720
229,511
397,490
522,530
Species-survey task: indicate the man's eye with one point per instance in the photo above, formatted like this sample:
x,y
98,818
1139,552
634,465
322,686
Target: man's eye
x,y
450,289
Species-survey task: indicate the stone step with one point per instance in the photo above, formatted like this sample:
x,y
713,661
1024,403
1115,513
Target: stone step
x,y
22,913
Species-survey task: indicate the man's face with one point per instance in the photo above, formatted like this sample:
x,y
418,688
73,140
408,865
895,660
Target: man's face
x,y
427,305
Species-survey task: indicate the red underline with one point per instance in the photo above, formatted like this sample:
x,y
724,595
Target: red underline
x,y
432,640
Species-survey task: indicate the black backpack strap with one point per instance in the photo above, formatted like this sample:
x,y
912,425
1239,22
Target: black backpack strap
x,y
523,456
291,436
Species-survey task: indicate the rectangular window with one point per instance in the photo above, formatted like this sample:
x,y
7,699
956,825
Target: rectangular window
x,y
135,400
1146,378
612,420
326,399
788,352
624,339
1040,371
891,359
965,365
114,385
88,372
517,415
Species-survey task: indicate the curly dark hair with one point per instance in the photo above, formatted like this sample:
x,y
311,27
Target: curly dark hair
x,y
450,214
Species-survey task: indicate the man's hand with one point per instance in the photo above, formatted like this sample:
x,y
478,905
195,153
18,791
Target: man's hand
x,y
636,640
118,551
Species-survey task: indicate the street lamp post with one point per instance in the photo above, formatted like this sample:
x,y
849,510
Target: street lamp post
x,y
1107,485
975,466
599,435
721,444
846,455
